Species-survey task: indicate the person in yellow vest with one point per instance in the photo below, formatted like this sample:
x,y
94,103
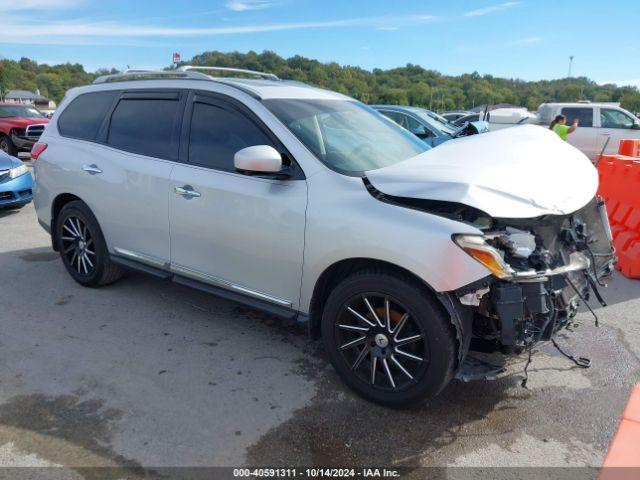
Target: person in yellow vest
x,y
559,125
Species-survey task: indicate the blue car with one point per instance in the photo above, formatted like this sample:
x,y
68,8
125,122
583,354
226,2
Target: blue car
x,y
428,126
16,184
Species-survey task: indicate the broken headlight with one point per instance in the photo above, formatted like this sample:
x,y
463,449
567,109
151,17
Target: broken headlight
x,y
493,258
490,257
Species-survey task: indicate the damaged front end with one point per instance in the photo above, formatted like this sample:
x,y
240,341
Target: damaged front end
x,y
541,268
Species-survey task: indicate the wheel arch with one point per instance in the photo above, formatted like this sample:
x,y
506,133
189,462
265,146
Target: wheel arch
x,y
56,206
461,317
338,271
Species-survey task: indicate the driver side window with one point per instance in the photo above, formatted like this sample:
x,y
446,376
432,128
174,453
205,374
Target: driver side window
x,y
610,118
217,133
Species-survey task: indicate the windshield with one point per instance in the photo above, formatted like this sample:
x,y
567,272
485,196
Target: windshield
x,y
436,121
8,111
346,135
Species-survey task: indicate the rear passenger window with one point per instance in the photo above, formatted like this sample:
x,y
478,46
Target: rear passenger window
x,y
584,116
84,115
146,126
217,134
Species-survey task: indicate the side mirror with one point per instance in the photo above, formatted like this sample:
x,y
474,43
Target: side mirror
x,y
636,126
259,159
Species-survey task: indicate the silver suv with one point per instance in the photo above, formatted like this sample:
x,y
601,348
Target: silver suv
x,y
308,204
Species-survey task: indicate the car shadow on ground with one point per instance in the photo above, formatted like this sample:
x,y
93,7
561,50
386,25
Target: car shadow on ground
x,y
146,371
7,212
330,420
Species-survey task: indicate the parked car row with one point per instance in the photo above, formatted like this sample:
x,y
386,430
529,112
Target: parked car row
x,y
429,126
404,259
601,126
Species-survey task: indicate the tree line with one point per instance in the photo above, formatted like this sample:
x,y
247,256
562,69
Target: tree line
x,y
408,85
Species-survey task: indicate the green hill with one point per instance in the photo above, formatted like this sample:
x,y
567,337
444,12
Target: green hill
x,y
409,85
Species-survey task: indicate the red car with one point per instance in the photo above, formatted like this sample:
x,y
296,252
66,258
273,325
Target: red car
x,y
20,127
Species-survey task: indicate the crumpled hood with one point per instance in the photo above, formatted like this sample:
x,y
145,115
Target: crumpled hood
x,y
519,172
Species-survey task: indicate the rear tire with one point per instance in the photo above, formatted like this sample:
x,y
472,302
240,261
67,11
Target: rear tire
x,y
7,146
382,358
82,247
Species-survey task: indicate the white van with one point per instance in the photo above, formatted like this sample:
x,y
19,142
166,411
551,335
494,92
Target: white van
x,y
598,122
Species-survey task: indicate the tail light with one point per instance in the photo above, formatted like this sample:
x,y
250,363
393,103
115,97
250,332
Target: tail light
x,y
37,150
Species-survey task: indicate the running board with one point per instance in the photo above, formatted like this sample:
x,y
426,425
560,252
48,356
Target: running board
x,y
251,302
141,267
266,307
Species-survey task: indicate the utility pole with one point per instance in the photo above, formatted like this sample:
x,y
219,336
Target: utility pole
x,y
570,64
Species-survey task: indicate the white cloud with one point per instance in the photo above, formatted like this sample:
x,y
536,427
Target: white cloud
x,y
388,29
244,5
24,5
80,32
517,42
490,9
424,18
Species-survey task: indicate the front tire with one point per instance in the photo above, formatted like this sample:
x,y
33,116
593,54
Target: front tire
x,y
82,246
388,338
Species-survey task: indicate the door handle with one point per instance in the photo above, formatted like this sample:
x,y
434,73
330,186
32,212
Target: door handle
x,y
186,191
92,169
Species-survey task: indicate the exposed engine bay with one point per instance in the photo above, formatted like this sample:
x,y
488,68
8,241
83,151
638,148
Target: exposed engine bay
x,y
550,264
542,269
543,239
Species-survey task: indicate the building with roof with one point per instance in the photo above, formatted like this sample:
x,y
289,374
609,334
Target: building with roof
x,y
26,97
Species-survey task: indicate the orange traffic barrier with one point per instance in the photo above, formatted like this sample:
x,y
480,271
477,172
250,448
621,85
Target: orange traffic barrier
x,y
623,458
620,188
630,147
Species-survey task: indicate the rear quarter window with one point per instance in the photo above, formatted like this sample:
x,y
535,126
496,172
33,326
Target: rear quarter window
x,y
84,115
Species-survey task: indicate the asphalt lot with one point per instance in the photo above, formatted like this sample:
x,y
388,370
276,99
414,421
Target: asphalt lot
x,y
149,373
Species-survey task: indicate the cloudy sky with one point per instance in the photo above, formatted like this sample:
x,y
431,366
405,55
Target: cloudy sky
x,y
529,39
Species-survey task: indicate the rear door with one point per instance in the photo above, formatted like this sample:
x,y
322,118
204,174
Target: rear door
x,y
127,175
239,232
584,138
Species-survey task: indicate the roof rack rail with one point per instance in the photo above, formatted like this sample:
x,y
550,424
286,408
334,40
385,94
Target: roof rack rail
x,y
138,74
188,68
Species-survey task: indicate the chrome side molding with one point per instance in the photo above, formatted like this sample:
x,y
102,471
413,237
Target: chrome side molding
x,y
218,282
199,276
142,258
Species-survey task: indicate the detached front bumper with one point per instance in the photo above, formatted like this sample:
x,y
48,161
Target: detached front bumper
x,y
16,191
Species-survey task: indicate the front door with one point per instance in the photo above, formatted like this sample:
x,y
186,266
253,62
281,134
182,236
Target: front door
x,y
615,125
239,232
